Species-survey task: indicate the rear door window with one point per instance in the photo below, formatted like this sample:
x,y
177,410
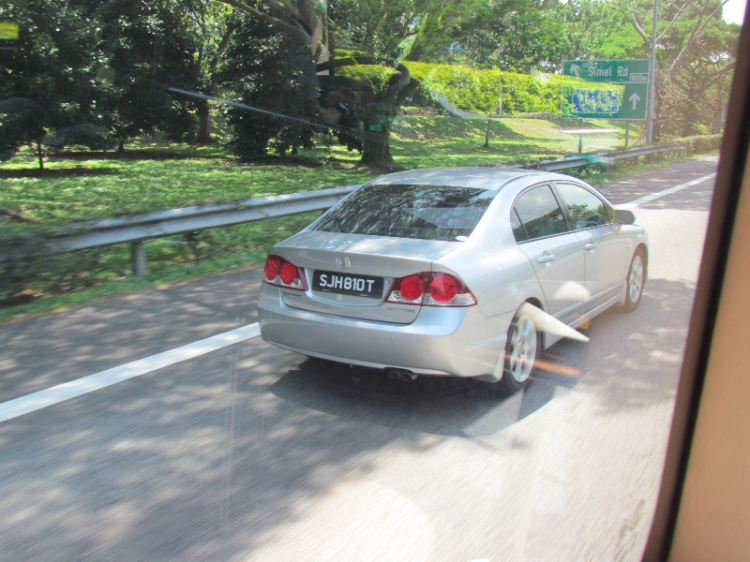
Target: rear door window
x,y
540,213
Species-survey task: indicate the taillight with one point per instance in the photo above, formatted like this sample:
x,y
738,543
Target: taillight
x,y
443,288
272,268
288,273
412,288
431,289
283,273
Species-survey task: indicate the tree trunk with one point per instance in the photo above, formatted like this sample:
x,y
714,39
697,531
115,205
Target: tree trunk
x,y
718,119
376,151
204,123
40,154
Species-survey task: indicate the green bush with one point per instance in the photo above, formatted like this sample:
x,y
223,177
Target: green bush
x,y
478,91
699,144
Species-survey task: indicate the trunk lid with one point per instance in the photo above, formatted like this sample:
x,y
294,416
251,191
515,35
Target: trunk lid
x,y
351,275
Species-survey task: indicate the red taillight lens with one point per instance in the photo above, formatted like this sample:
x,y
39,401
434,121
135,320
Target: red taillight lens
x,y
443,288
272,267
288,273
412,287
283,273
431,289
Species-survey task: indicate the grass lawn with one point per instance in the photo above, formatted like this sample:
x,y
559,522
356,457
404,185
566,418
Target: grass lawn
x,y
95,188
80,187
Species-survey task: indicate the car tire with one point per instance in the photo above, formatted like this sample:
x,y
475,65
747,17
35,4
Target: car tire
x,y
521,352
635,281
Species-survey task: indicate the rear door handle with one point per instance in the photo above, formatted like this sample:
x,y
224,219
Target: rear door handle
x,y
546,258
590,247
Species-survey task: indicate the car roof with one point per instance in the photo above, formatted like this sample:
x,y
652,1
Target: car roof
x,y
478,177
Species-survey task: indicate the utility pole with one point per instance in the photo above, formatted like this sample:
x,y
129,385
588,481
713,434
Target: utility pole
x,y
652,79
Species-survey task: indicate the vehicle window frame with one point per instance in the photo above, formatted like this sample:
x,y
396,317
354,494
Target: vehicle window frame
x,y
556,197
726,199
514,213
569,218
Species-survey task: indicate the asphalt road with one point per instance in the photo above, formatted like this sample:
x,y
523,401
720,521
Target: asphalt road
x,y
249,453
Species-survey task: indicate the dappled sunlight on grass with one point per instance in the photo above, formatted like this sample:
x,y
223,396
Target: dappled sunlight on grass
x,y
149,176
135,186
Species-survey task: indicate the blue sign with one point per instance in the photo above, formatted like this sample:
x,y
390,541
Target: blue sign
x,y
595,101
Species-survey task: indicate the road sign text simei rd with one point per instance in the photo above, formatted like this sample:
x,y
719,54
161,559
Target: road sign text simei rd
x,y
633,71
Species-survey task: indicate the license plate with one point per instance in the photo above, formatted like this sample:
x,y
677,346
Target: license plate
x,y
345,284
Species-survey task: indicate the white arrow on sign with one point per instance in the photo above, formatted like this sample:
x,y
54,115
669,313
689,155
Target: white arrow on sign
x,y
575,69
635,98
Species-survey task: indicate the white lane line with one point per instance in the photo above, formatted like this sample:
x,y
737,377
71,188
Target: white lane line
x,y
66,391
664,193
72,389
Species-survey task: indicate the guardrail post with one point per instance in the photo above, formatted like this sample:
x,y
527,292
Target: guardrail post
x,y
580,138
138,257
627,133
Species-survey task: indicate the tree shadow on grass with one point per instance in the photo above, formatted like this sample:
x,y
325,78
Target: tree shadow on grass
x,y
135,154
56,173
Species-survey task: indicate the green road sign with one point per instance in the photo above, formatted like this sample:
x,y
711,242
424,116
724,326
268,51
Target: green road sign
x,y
8,31
625,98
612,71
628,101
8,35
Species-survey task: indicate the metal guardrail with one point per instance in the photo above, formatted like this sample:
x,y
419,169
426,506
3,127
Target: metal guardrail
x,y
589,159
135,230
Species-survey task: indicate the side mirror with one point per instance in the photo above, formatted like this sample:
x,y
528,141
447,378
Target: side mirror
x,y
623,216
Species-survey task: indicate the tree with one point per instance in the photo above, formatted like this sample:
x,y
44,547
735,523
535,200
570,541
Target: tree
x,y
103,63
273,72
211,25
266,67
451,23
55,62
370,105
696,51
530,37
377,28
525,42
146,46
22,121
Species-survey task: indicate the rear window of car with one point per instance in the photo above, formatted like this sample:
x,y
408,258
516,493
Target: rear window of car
x,y
409,211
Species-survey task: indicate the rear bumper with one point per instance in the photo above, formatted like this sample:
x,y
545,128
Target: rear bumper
x,y
441,341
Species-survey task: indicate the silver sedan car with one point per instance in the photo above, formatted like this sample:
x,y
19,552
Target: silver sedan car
x,y
466,272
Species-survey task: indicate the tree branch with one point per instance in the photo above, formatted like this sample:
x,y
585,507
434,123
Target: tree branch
x,y
295,28
639,29
703,21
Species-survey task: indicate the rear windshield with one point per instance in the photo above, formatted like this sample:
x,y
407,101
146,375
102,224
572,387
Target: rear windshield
x,y
409,211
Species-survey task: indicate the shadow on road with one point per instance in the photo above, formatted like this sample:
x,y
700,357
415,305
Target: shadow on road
x,y
632,361
432,405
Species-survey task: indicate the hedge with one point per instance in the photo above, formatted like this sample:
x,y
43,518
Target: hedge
x,y
478,91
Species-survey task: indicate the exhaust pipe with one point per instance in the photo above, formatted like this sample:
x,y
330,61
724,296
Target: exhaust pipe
x,y
401,374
